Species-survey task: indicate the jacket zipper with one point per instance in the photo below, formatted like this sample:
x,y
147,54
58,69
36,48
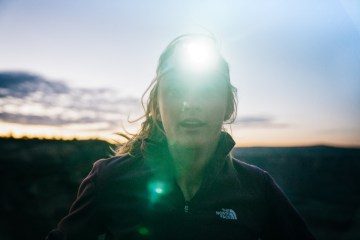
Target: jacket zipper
x,y
186,207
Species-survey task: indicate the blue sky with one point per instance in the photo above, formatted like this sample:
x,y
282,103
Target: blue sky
x,y
296,65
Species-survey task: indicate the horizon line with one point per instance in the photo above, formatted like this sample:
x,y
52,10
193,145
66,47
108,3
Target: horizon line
x,y
112,141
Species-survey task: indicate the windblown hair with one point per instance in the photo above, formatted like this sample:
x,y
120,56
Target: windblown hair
x,y
151,127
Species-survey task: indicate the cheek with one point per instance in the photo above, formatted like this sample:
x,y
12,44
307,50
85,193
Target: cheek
x,y
216,108
168,108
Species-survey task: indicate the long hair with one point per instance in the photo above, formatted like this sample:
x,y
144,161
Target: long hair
x,y
151,127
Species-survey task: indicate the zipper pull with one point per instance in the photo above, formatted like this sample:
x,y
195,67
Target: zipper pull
x,y
186,207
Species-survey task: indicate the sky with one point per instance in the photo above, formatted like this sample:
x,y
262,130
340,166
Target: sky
x,y
78,68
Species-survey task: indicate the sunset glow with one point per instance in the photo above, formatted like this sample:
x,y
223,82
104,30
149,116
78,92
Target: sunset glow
x,y
82,74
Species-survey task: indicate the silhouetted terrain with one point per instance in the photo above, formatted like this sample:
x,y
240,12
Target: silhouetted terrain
x,y
322,182
39,181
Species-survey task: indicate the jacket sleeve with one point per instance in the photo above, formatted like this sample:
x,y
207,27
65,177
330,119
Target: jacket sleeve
x,y
282,221
83,220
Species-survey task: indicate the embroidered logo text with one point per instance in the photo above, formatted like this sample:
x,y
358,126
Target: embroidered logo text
x,y
227,214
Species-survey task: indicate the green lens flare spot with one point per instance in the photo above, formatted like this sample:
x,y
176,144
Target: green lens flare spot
x,y
156,189
159,190
144,231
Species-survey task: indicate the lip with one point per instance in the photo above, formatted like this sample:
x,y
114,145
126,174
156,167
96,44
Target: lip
x,y
192,123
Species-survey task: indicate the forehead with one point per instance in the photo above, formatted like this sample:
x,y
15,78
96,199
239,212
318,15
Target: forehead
x,y
192,80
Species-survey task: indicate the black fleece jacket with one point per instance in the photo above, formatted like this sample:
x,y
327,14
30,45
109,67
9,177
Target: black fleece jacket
x,y
136,197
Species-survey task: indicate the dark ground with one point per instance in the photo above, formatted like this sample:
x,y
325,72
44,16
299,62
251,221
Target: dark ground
x,y
39,181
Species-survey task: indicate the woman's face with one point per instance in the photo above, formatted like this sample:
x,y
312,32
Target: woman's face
x,y
192,109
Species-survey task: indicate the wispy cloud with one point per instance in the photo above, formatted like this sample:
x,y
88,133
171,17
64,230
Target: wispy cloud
x,y
31,99
258,121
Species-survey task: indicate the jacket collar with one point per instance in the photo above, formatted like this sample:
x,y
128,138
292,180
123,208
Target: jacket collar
x,y
158,158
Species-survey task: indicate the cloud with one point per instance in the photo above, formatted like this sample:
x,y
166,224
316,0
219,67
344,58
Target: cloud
x,y
18,84
31,99
258,122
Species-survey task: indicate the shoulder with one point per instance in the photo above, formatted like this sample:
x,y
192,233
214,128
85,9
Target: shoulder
x,y
257,178
251,175
116,161
118,165
249,170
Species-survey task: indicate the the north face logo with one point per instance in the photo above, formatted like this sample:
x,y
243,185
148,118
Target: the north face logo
x,y
227,214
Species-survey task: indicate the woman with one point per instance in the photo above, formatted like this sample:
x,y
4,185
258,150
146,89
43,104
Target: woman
x,y
176,179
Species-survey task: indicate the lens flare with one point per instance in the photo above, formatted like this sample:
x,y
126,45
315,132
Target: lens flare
x,y
156,189
199,56
195,56
144,231
159,190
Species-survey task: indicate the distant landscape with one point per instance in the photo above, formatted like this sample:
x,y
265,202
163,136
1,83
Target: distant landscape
x,y
39,181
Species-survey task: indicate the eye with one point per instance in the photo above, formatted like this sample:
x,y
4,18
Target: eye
x,y
175,91
209,90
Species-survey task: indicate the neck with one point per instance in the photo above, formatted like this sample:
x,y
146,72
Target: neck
x,y
189,166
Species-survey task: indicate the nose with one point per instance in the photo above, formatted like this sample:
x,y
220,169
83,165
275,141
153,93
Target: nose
x,y
184,106
191,103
